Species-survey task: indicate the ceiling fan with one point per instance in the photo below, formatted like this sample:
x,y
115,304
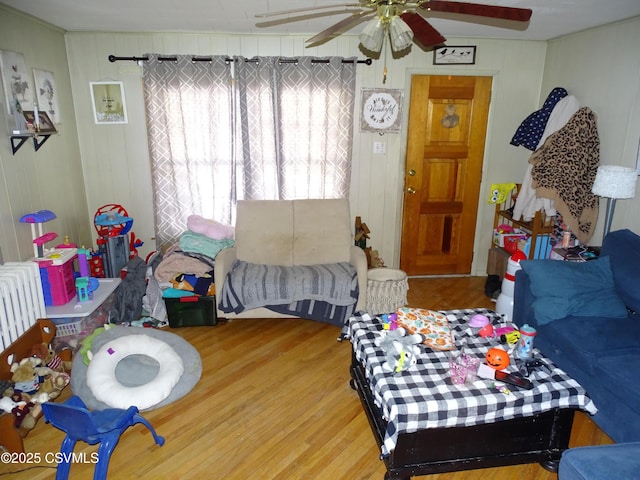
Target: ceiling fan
x,y
402,21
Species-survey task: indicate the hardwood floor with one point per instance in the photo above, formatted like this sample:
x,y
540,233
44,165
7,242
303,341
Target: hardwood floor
x,y
273,402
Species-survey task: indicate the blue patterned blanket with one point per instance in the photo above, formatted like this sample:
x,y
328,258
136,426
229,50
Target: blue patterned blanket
x,y
320,292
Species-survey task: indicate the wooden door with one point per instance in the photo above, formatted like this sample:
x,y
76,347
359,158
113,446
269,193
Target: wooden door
x,y
445,148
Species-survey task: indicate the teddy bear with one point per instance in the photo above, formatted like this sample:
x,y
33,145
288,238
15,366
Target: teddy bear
x,y
27,376
376,261
33,385
401,349
209,228
50,358
30,378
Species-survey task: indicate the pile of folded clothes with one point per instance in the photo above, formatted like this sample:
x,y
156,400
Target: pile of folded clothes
x,y
187,267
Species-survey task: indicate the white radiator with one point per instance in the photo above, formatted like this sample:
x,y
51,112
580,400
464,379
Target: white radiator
x,y
21,300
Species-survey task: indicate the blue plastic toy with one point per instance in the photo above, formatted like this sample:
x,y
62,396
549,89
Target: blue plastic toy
x,y
98,426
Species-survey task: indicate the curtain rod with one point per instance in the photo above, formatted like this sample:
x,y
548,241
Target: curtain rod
x,y
113,58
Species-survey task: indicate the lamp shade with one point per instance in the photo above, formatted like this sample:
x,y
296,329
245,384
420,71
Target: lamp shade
x,y
400,34
615,182
372,36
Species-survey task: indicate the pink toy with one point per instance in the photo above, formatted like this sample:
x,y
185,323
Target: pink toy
x,y
39,217
487,331
504,330
478,321
210,228
504,228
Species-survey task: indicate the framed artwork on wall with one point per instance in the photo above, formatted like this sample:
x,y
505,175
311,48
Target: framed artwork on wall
x,y
109,106
460,55
381,110
16,81
44,123
47,93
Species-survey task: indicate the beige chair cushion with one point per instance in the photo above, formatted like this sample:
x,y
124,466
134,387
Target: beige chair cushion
x,y
322,231
264,232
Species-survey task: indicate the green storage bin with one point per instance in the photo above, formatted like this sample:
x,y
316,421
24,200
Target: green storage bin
x,y
191,311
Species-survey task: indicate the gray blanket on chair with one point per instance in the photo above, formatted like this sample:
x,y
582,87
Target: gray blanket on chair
x,y
250,285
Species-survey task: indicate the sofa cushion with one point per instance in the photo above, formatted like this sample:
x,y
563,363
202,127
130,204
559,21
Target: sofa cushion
x,y
322,231
264,232
582,289
623,249
585,341
602,462
620,370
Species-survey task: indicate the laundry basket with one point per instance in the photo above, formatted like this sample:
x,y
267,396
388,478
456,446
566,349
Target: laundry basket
x,y
386,290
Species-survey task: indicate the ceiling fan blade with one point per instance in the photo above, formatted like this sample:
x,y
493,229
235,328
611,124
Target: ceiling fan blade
x,y
342,26
423,32
306,9
301,18
492,11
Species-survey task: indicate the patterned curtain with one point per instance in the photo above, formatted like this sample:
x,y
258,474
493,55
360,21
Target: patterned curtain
x,y
284,131
190,133
296,118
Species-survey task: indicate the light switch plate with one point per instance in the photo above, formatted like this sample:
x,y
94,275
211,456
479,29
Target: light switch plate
x,y
379,147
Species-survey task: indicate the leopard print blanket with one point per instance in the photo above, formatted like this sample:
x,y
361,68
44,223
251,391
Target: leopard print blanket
x,y
564,169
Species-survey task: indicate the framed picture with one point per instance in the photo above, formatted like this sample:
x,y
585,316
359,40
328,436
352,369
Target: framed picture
x,y
461,55
381,110
47,94
44,122
16,81
108,102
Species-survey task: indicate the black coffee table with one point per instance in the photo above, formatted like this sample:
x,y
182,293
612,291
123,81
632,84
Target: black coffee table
x,y
424,424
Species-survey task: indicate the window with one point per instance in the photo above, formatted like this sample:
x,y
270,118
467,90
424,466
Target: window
x,y
264,128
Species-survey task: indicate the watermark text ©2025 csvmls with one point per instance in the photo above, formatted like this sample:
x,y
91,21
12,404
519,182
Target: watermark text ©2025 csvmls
x,y
48,457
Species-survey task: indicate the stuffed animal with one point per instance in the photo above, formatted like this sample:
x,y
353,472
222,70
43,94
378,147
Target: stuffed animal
x,y
7,404
27,376
500,192
31,379
376,261
25,416
209,228
50,358
87,344
401,350
33,386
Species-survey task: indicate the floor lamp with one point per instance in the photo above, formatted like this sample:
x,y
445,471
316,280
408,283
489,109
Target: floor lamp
x,y
614,182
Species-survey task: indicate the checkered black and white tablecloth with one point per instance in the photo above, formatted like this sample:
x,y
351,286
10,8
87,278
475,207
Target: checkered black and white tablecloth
x,y
423,395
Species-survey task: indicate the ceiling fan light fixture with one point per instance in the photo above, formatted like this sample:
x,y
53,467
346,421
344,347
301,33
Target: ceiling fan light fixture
x,y
372,36
400,34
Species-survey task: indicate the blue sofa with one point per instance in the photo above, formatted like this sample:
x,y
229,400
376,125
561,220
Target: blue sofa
x,y
588,322
620,461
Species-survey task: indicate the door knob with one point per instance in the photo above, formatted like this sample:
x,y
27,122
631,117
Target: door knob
x,y
412,173
411,190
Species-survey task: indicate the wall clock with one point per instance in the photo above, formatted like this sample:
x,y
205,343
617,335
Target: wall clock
x,y
381,110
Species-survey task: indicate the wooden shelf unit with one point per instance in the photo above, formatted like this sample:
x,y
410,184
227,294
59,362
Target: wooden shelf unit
x,y
539,225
